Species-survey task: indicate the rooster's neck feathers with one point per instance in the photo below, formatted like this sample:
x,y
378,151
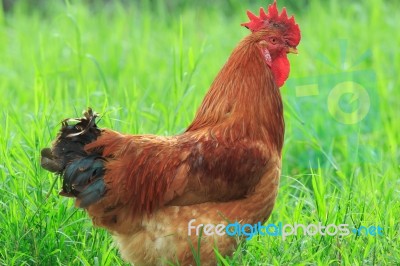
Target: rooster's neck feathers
x,y
244,96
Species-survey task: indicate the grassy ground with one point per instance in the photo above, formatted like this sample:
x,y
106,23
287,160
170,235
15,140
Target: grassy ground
x,y
148,68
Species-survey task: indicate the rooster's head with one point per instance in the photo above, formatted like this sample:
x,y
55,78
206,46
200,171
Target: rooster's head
x,y
277,35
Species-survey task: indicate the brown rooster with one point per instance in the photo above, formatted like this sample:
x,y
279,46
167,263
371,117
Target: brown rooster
x,y
146,190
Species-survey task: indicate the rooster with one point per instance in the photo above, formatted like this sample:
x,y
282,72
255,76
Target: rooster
x,y
145,189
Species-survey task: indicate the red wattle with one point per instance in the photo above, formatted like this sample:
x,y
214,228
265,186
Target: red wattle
x,y
280,68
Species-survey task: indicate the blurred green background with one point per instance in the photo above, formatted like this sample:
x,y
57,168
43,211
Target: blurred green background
x,y
146,65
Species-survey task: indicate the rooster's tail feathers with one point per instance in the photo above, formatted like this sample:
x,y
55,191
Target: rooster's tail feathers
x,y
82,172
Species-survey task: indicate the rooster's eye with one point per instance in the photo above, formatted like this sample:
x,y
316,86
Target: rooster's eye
x,y
273,40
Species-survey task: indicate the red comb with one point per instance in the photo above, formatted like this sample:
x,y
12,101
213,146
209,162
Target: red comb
x,y
288,25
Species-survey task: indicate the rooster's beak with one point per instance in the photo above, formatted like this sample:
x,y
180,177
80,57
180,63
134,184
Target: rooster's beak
x,y
292,50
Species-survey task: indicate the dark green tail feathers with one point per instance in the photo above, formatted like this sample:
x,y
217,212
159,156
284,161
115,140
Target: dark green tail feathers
x,y
82,173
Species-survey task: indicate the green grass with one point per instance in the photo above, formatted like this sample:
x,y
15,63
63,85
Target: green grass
x,y
146,69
